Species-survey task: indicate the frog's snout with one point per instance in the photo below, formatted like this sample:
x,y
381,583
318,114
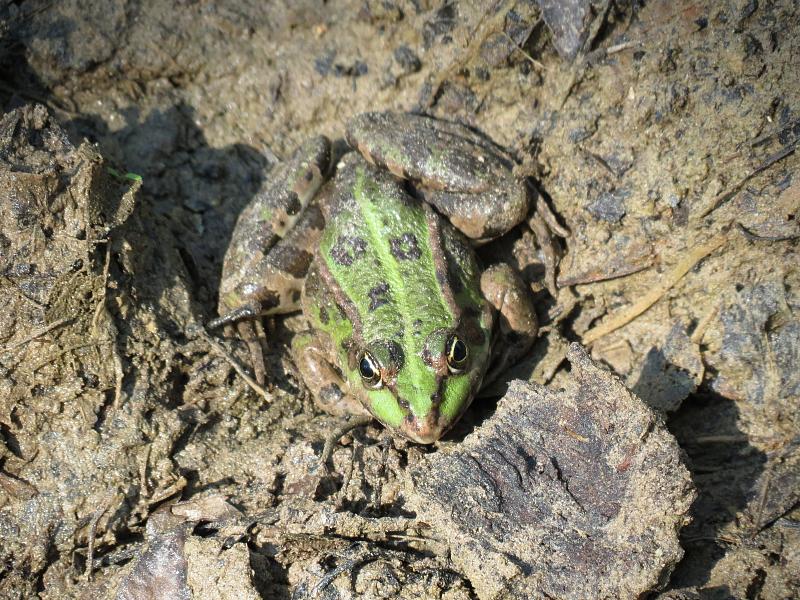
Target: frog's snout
x,y
424,430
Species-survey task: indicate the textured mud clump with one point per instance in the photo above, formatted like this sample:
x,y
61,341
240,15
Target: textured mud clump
x,y
664,136
571,493
59,357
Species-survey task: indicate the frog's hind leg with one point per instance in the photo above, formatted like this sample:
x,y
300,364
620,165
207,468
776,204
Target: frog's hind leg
x,y
278,282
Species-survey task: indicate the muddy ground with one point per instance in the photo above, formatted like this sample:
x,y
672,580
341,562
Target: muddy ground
x,y
135,132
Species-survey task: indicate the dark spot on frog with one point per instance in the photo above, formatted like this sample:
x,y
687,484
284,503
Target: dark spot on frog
x,y
471,330
323,316
378,296
308,176
405,247
296,296
290,259
330,394
342,312
455,280
348,249
268,299
417,327
293,205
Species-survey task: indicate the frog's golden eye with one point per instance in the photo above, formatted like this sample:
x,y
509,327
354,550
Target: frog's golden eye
x,y
457,354
369,371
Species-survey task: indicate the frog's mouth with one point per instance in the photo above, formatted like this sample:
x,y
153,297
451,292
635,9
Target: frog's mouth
x,y
424,430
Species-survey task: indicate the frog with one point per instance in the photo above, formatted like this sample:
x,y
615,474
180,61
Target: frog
x,y
378,251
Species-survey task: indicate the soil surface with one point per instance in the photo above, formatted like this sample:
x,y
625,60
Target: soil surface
x,y
136,463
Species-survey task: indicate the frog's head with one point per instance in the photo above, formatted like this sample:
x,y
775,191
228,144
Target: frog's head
x,y
421,396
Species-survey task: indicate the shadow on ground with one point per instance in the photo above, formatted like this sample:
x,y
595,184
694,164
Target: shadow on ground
x,y
725,469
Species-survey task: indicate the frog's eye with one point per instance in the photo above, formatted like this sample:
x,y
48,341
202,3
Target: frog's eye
x,y
370,373
457,354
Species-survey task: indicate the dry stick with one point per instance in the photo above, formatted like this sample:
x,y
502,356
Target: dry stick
x,y
622,318
102,300
67,350
702,326
726,195
93,532
236,366
41,332
517,47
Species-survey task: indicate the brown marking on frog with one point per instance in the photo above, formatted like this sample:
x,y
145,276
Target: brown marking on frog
x,y
378,296
290,259
347,308
440,260
348,249
405,247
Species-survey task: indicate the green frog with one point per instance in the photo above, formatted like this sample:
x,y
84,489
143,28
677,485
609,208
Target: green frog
x,y
378,252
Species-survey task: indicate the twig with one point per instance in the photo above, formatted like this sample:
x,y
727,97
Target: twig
x,y
762,501
349,565
41,332
517,47
625,316
101,303
765,238
620,47
700,331
252,383
726,195
67,350
93,532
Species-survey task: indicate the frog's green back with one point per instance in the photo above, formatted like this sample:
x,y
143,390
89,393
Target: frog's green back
x,y
405,279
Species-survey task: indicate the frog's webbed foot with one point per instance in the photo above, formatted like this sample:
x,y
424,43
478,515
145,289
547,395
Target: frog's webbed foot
x,y
354,422
249,329
545,227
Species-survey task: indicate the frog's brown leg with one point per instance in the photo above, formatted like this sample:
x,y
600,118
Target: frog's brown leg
x,y
477,216
313,355
544,224
279,277
269,251
314,358
248,311
353,422
517,323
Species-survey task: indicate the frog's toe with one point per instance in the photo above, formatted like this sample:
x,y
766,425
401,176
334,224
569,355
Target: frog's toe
x,y
551,252
253,335
245,312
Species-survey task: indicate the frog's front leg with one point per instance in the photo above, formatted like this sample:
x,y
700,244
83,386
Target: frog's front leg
x,y
315,358
517,323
